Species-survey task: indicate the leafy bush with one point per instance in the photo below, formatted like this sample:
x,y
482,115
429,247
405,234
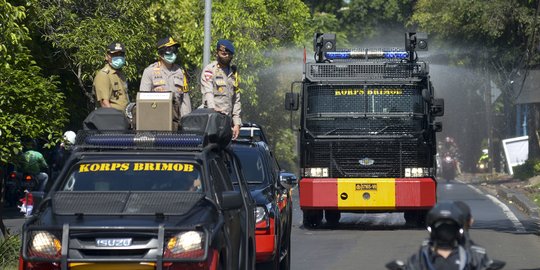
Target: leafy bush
x,y
530,168
9,252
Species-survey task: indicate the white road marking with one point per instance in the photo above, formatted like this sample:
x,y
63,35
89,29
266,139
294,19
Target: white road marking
x,y
476,189
509,214
506,210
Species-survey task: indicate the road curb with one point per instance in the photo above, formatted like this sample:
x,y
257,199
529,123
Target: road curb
x,y
521,200
512,196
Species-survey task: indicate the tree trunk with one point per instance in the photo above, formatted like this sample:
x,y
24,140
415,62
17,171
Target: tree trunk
x,y
533,126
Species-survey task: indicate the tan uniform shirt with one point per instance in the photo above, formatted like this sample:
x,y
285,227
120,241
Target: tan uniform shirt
x,y
110,84
220,91
158,78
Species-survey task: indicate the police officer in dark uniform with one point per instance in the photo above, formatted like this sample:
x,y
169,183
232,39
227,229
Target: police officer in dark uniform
x,y
110,85
447,247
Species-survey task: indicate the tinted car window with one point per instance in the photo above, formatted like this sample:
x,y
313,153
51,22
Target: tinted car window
x,y
134,176
252,166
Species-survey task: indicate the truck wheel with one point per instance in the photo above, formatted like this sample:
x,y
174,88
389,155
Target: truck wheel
x,y
415,218
332,217
312,218
285,263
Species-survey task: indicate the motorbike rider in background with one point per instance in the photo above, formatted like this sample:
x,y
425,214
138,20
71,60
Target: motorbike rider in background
x,y
449,148
483,161
32,162
61,152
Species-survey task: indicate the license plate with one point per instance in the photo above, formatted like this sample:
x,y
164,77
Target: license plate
x,y
114,242
366,186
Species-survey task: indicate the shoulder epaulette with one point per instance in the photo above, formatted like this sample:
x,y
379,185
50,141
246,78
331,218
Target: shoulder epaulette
x,y
105,70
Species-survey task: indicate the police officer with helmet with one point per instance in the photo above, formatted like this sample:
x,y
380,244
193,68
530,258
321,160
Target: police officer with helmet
x,y
447,246
166,76
110,85
219,85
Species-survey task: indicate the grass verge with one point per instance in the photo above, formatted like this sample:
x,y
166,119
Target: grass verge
x,y
9,252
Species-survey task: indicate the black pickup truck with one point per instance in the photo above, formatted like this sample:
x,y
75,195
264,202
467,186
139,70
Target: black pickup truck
x,y
143,200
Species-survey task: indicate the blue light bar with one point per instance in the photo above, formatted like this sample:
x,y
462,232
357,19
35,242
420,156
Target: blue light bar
x,y
137,140
367,54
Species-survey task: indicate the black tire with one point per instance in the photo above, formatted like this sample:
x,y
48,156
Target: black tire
x,y
415,218
332,217
285,263
312,218
221,262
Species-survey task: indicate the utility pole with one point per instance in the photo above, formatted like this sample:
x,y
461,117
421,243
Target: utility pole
x,y
207,32
489,124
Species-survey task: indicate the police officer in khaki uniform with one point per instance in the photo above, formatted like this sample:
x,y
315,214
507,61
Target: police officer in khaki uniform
x,y
166,76
110,85
219,85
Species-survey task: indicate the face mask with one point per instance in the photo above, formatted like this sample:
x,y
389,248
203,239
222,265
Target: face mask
x,y
169,57
118,62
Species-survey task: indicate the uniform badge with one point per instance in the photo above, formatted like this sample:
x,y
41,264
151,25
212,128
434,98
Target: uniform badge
x,y
208,75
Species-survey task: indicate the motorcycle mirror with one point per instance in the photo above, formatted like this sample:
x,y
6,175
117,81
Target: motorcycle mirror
x,y
495,265
395,265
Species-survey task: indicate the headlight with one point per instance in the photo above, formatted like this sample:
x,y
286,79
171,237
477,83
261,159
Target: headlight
x,y
45,243
260,214
186,242
417,172
316,172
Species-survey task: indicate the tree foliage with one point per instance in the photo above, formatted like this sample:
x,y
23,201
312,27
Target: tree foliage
x,y
498,36
79,31
257,27
30,104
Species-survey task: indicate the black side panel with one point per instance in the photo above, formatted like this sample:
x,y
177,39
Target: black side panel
x,y
106,119
216,125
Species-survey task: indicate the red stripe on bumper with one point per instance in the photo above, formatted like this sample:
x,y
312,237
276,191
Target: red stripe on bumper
x,y
415,192
318,192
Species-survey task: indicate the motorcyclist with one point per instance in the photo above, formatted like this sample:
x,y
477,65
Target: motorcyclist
x,y
62,150
448,245
450,151
483,160
33,163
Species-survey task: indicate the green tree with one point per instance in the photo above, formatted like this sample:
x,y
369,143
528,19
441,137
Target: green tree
x,y
30,104
376,20
257,28
497,36
77,33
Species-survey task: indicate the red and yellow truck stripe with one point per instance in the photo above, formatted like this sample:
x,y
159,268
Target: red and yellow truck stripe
x,y
367,193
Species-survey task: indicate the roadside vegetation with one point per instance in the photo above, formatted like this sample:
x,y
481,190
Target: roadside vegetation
x,y
9,252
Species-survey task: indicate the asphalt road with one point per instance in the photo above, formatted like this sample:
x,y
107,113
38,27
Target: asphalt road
x,y
369,241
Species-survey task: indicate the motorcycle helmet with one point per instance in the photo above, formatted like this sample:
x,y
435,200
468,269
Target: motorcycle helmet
x,y
445,223
69,137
